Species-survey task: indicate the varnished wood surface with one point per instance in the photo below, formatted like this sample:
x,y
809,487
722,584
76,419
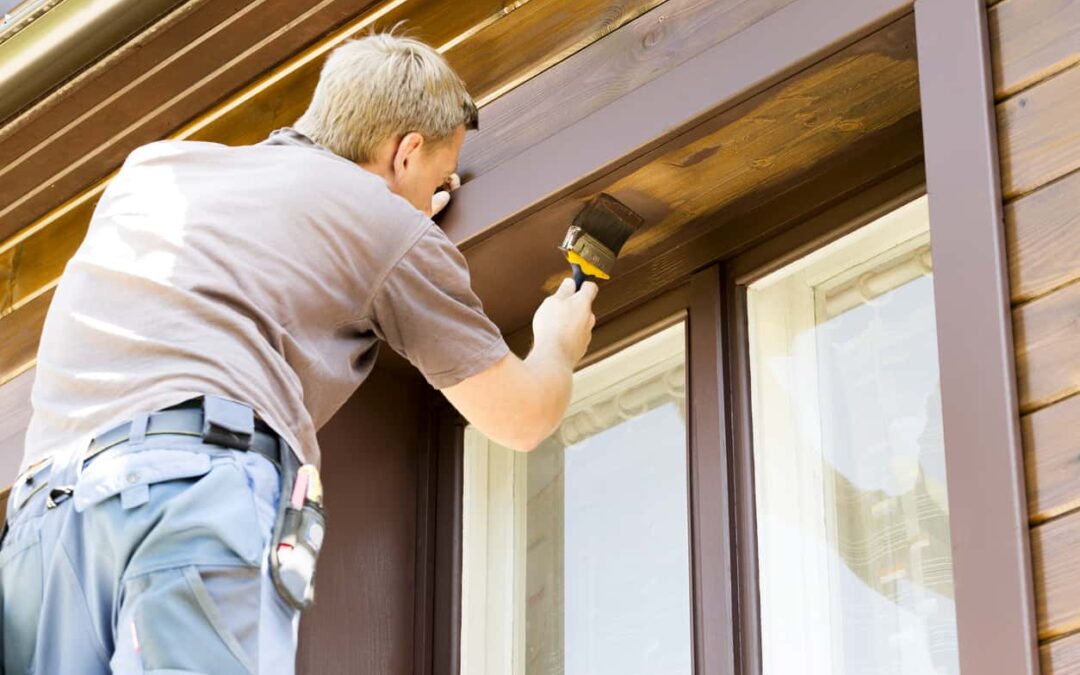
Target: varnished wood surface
x,y
1061,657
622,61
1052,457
1043,236
1047,337
1039,133
1055,548
756,145
1032,40
19,337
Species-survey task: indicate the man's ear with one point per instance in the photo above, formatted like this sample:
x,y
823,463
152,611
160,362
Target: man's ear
x,y
411,144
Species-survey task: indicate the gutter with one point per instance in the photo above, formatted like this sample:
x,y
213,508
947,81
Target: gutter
x,y
38,55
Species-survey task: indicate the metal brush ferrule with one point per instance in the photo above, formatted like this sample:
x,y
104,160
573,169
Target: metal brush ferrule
x,y
589,249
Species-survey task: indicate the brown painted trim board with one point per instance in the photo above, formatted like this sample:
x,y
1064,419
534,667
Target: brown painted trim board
x,y
625,130
987,500
712,527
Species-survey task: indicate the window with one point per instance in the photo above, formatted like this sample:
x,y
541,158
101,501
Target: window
x,y
575,556
854,563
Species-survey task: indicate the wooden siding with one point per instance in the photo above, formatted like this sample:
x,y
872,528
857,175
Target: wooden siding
x,y
1036,51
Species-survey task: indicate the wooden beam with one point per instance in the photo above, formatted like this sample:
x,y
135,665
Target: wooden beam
x,y
995,607
620,62
625,130
756,145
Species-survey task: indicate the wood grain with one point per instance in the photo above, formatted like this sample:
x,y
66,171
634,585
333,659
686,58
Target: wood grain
x,y
1042,231
1032,40
19,336
1061,657
1039,133
1055,549
620,62
1047,337
1052,459
756,145
14,418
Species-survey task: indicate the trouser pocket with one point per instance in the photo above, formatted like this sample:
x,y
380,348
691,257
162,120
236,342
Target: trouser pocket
x,y
190,619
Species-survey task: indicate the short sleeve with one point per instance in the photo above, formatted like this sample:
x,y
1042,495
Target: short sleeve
x,y
425,309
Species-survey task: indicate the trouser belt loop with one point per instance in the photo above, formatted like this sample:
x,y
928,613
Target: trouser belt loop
x,y
139,423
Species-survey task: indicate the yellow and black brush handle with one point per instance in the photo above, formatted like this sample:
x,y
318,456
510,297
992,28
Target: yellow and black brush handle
x,y
587,256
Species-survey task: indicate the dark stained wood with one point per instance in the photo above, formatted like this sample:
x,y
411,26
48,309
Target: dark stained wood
x,y
1061,657
535,37
1047,335
622,61
1043,235
363,618
759,144
1031,41
14,418
1055,548
1052,456
19,335
1040,134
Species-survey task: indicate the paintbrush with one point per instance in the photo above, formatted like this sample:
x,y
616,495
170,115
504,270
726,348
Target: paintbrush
x,y
596,236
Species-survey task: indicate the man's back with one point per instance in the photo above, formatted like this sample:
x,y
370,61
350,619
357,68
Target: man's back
x,y
247,272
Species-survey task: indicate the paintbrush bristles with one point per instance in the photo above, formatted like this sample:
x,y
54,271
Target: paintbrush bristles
x,y
608,221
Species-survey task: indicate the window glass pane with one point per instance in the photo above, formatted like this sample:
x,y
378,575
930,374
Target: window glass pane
x,y
576,555
853,530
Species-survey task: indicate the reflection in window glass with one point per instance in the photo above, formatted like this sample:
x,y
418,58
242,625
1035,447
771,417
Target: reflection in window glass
x,y
575,556
853,531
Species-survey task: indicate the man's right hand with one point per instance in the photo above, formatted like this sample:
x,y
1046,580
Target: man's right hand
x,y
564,321
519,403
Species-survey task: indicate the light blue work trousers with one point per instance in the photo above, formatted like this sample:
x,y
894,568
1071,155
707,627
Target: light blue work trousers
x,y
157,563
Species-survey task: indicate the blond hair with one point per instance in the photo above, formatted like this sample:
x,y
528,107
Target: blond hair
x,y
383,86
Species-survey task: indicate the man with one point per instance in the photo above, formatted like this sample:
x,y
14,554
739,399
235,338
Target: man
x,y
225,303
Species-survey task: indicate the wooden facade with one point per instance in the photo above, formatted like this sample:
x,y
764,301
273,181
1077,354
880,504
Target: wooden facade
x,y
744,132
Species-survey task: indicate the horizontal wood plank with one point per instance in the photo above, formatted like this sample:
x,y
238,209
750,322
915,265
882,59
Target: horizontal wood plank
x,y
1047,338
1039,133
1042,230
19,336
622,61
1032,40
1052,459
1061,657
14,418
1055,550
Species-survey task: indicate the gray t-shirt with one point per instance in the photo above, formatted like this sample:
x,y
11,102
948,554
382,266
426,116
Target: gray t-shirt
x,y
264,273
